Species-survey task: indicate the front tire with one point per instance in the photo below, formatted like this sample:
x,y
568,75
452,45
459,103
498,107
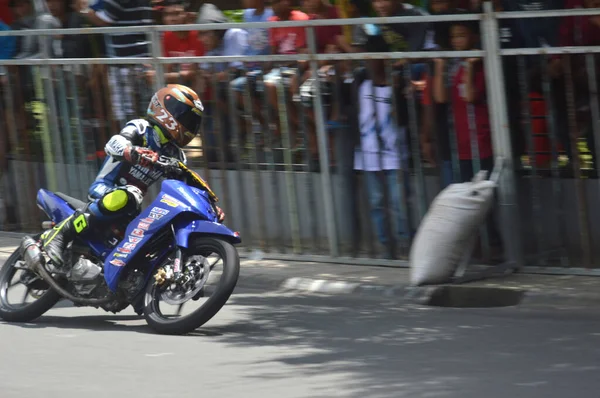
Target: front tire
x,y
231,269
25,312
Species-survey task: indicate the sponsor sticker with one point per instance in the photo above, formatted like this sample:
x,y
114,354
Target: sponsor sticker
x,y
117,263
170,201
159,211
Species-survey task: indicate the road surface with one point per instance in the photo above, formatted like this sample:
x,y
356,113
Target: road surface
x,y
271,345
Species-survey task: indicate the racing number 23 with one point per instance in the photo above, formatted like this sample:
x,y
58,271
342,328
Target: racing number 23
x,y
167,119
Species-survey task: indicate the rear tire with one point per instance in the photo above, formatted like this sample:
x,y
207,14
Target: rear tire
x,y
227,283
29,312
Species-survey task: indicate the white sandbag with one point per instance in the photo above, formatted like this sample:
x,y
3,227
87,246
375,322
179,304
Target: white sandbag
x,y
447,229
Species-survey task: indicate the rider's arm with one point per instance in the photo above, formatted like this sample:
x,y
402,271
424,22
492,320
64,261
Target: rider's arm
x,y
128,146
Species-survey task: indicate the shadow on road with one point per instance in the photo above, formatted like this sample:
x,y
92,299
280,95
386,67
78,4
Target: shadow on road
x,y
376,349
388,350
88,322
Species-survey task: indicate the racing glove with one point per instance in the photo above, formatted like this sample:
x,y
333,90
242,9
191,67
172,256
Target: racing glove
x,y
139,155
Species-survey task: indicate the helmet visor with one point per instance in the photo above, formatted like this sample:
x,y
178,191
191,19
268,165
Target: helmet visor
x,y
185,115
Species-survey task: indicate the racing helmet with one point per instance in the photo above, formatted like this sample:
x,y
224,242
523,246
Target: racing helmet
x,y
177,111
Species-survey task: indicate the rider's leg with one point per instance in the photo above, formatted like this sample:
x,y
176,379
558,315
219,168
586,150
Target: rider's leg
x,y
114,204
55,240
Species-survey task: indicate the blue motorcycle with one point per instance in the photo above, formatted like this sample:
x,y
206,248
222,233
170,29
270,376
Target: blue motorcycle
x,y
162,256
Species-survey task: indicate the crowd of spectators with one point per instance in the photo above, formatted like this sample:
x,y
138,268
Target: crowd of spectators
x,y
374,107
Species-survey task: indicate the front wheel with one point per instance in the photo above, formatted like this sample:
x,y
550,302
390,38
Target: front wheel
x,y
200,269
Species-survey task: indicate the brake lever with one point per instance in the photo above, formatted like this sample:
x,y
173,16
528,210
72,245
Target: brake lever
x,y
169,165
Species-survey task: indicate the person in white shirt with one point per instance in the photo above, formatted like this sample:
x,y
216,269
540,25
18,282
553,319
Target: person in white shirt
x,y
382,152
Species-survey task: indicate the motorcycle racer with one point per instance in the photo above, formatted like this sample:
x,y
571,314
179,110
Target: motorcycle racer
x,y
173,120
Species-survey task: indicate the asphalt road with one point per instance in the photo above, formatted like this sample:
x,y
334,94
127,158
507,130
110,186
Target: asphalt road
x,y
276,345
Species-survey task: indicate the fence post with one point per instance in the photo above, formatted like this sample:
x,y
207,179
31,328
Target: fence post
x,y
501,139
330,218
159,76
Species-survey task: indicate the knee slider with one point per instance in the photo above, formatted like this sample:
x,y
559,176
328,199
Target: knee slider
x,y
121,200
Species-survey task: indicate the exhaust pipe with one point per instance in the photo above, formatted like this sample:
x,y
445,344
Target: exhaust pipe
x,y
31,253
35,261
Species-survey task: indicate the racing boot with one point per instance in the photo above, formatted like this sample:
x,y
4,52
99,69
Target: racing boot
x,y
55,240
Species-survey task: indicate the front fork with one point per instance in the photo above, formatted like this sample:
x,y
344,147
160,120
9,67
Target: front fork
x,y
171,273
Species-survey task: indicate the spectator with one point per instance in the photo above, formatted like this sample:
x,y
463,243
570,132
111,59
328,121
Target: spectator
x,y
223,42
399,37
288,40
6,15
325,35
179,44
126,13
7,43
579,31
22,12
434,127
469,108
535,32
395,37
437,35
467,90
329,39
383,149
258,44
258,38
121,78
230,42
74,46
352,9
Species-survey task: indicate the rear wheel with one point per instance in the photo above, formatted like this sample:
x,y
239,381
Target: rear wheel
x,y
17,281
207,259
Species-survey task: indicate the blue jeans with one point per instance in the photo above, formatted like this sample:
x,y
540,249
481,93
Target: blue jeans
x,y
375,195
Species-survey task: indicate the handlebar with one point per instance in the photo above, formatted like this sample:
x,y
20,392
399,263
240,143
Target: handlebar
x,y
173,165
170,165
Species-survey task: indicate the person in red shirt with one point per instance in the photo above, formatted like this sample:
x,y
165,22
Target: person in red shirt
x,y
291,40
5,12
179,44
325,35
468,104
469,101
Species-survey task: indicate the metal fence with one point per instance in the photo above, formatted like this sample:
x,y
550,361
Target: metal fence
x,y
287,166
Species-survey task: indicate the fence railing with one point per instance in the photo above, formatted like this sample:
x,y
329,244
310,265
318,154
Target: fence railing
x,y
298,170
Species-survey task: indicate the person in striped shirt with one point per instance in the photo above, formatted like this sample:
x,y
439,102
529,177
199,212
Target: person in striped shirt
x,y
120,13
